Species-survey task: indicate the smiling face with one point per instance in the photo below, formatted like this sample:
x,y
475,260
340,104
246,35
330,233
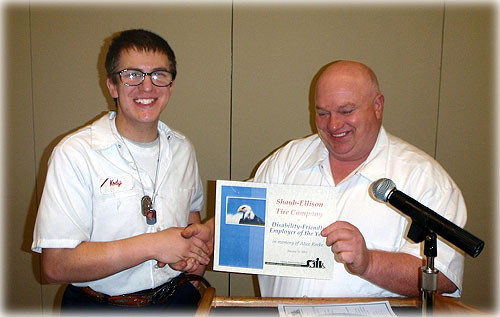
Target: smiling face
x,y
139,107
348,111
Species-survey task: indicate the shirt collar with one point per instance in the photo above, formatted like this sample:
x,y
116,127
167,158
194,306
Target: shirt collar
x,y
104,134
318,155
375,165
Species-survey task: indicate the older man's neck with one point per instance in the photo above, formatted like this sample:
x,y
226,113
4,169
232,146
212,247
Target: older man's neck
x,y
341,169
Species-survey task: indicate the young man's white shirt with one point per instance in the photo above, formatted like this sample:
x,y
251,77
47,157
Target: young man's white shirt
x,y
93,192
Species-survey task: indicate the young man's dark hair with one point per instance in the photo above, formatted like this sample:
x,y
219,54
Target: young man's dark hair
x,y
140,40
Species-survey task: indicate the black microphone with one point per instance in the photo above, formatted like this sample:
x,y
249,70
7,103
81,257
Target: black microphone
x,y
384,190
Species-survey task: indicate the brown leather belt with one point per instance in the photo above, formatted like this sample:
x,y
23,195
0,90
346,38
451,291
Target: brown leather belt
x,y
153,296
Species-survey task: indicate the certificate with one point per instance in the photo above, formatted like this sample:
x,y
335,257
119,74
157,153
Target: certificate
x,y
273,229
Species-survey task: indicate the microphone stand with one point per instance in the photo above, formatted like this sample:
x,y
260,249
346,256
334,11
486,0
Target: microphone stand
x,y
418,233
425,225
429,274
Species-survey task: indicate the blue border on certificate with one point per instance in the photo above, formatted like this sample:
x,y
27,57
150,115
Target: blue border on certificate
x,y
242,226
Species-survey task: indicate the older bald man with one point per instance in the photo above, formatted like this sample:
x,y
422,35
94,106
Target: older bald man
x,y
351,150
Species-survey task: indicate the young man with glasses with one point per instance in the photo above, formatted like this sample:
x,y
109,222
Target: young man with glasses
x,y
120,191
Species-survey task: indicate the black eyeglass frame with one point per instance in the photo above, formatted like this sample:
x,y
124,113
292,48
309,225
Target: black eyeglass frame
x,y
144,74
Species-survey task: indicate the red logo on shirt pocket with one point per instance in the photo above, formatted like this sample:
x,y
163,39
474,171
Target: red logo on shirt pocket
x,y
113,184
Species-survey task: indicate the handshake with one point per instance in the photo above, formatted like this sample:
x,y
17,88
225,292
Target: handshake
x,y
193,247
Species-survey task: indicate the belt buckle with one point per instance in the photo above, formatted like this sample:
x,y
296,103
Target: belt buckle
x,y
164,292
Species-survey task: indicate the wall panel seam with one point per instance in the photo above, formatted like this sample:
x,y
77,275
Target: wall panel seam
x,y
231,118
440,81
37,198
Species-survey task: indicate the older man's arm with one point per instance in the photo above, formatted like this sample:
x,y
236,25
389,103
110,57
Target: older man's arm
x,y
397,272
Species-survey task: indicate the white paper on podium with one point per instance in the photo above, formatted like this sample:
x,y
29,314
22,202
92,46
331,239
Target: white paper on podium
x,y
273,229
381,308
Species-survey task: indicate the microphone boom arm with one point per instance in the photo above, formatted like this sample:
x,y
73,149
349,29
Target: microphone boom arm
x,y
424,218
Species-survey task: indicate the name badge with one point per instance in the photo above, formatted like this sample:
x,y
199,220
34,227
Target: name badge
x,y
114,184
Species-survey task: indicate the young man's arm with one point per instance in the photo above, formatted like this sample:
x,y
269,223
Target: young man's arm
x,y
94,260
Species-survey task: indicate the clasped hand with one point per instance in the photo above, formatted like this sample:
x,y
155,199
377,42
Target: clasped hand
x,y
187,252
193,247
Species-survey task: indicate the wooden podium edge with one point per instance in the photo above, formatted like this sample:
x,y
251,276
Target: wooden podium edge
x,y
222,301
442,303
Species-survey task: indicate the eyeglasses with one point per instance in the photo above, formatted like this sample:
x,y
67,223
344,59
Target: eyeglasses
x,y
135,77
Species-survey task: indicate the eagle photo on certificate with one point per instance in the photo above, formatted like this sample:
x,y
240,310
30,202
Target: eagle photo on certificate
x,y
244,215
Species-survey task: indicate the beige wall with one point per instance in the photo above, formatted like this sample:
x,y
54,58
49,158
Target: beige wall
x,y
243,89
